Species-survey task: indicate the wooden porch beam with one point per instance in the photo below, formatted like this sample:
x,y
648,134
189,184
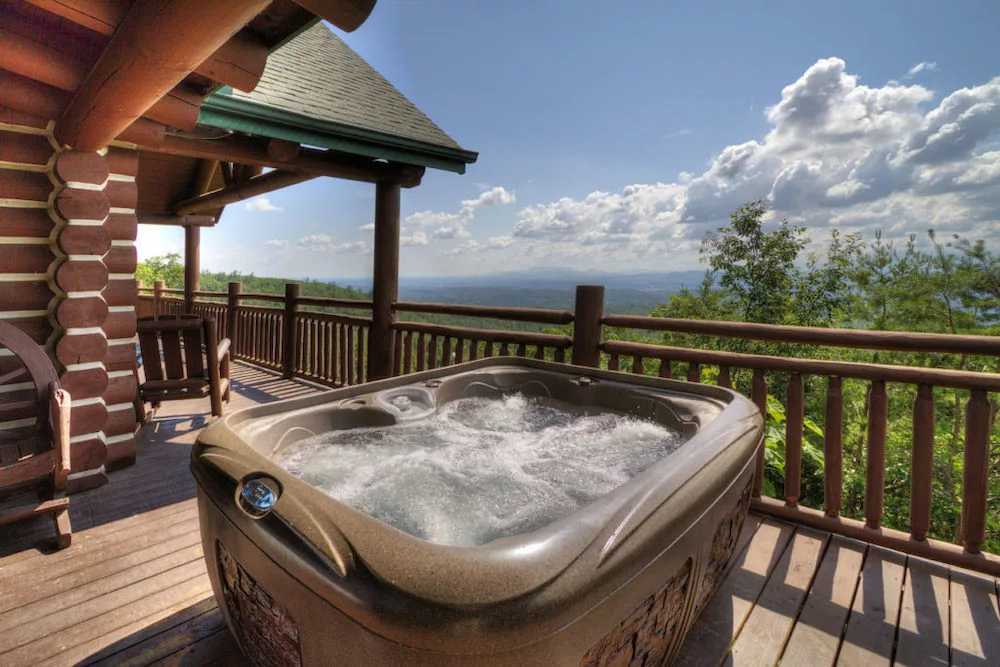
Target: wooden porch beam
x,y
345,14
258,185
176,36
192,265
175,220
238,63
247,151
41,63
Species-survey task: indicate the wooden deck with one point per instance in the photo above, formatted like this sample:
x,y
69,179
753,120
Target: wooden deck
x,y
133,589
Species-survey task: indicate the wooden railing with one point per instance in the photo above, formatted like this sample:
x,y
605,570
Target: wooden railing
x,y
332,347
691,364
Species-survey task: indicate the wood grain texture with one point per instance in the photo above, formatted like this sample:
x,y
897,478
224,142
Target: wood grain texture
x,y
84,240
88,419
120,325
19,258
86,454
30,222
120,389
29,149
82,276
924,619
122,226
122,161
121,259
74,204
81,313
871,627
122,194
27,185
25,295
121,292
81,349
81,167
88,383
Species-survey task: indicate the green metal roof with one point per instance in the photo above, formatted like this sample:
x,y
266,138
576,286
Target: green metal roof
x,y
318,92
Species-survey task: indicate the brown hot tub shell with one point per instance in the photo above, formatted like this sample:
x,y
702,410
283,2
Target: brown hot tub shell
x,y
621,579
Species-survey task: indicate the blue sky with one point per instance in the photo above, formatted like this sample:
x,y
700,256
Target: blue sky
x,y
614,135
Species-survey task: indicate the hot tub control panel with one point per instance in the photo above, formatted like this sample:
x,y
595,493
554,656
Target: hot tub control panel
x,y
257,497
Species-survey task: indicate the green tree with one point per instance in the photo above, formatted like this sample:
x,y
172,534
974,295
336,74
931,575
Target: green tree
x,y
167,268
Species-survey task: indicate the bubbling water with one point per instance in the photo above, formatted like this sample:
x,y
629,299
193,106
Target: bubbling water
x,y
480,469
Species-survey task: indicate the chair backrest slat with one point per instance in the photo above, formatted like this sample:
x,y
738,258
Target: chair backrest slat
x,y
149,346
172,361
193,339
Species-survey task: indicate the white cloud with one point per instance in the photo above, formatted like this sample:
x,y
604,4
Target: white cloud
x,y
683,132
453,225
461,249
324,243
838,152
277,244
497,242
417,239
370,227
261,204
926,66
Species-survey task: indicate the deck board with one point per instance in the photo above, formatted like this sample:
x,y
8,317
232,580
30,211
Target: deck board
x,y
132,590
820,626
769,625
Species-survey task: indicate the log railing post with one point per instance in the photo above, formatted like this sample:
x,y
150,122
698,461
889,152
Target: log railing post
x,y
976,470
385,280
587,317
158,286
233,313
292,293
192,265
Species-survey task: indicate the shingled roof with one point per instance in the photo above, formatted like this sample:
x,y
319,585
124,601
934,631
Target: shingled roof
x,y
316,90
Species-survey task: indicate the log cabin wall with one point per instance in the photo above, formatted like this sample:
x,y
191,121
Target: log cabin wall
x,y
67,263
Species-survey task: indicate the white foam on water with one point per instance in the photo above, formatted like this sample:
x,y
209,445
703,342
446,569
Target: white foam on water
x,y
479,469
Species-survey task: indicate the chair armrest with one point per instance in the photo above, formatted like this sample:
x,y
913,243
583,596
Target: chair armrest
x,y
59,416
222,350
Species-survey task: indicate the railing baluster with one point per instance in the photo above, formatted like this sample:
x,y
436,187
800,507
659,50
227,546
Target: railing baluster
x,y
665,370
473,350
614,363
446,359
459,350
350,355
345,354
540,352
638,365
878,405
487,349
758,392
694,372
361,356
922,465
504,349
560,356
522,349
408,353
976,466
432,352
725,379
397,352
794,422
833,453
421,353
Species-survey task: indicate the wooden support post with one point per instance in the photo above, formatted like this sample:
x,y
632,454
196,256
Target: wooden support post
x,y
385,284
192,265
589,311
794,422
922,466
233,314
833,448
158,286
292,293
878,407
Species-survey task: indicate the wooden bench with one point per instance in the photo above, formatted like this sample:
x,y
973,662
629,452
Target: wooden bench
x,y
34,435
183,359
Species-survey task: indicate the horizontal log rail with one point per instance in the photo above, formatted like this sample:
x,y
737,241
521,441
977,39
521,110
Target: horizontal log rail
x,y
900,341
843,369
539,315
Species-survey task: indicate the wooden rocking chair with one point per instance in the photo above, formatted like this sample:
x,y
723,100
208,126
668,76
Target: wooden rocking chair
x,y
174,354
34,435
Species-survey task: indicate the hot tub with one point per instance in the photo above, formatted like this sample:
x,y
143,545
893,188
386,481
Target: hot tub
x,y
618,562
